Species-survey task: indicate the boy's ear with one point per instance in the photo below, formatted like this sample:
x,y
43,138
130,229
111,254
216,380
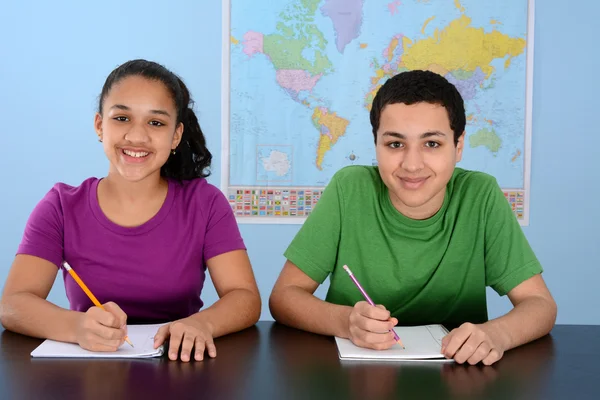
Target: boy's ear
x,y
460,146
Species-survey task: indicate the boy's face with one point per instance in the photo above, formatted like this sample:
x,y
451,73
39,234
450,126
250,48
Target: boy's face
x,y
416,156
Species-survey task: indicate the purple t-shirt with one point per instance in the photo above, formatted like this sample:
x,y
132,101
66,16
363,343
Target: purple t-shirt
x,y
155,271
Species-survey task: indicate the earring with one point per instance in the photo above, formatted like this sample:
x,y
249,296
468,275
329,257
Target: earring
x,y
100,140
173,151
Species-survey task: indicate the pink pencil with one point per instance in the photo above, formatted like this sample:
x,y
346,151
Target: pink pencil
x,y
366,296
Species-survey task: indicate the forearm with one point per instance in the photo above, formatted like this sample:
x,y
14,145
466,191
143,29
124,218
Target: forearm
x,y
527,321
237,310
295,307
31,315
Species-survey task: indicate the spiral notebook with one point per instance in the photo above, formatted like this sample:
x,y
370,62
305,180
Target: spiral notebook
x,y
422,343
142,337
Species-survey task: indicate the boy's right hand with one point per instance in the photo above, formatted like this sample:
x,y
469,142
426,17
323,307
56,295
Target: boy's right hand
x,y
370,326
100,330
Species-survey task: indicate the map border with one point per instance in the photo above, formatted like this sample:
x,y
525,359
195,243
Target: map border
x,y
225,125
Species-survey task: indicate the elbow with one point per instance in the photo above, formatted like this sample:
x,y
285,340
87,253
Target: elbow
x,y
6,317
553,311
275,304
257,309
254,304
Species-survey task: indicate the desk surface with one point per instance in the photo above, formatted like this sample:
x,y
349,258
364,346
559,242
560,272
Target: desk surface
x,y
272,361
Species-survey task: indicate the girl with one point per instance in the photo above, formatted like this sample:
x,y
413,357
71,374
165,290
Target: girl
x,y
142,237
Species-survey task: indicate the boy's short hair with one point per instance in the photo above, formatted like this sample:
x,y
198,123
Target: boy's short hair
x,y
418,86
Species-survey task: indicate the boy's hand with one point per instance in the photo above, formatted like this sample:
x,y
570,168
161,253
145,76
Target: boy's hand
x,y
370,326
473,343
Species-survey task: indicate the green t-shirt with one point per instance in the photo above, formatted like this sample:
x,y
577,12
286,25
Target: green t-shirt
x,y
423,271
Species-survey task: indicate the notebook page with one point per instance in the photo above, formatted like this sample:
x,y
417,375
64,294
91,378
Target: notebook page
x,y
421,342
142,337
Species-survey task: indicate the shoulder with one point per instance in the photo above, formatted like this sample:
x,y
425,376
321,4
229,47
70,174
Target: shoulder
x,y
357,176
360,183
199,193
198,190
65,195
465,181
473,188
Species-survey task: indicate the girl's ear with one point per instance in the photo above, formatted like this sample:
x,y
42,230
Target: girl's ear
x,y
98,126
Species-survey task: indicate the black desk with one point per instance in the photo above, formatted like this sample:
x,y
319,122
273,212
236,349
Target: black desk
x,y
270,361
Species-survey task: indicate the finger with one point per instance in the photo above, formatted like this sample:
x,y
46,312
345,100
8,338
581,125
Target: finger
x,y
458,337
175,341
114,309
391,319
97,343
370,338
376,343
446,339
211,348
186,346
369,311
373,325
468,348
104,317
107,333
199,348
480,353
161,335
101,347
492,357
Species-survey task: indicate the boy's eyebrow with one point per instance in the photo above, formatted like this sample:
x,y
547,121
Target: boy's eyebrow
x,y
423,135
125,108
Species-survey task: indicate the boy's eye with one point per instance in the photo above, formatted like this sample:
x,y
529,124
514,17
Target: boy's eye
x,y
432,145
394,145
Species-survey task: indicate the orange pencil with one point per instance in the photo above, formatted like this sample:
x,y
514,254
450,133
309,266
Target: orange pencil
x,y
88,292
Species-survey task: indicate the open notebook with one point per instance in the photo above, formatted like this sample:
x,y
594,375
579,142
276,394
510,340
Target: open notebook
x,y
423,343
142,337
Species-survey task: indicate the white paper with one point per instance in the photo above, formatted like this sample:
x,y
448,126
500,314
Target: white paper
x,y
142,337
420,342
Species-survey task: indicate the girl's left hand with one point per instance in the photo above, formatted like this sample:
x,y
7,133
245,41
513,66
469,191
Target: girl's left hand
x,y
190,334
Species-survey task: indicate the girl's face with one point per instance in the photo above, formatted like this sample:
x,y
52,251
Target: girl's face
x,y
138,127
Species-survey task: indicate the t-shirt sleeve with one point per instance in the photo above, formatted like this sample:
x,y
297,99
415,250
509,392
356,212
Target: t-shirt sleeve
x,y
43,236
509,259
222,232
314,248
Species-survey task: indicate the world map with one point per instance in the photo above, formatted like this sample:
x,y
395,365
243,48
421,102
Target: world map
x,y
303,75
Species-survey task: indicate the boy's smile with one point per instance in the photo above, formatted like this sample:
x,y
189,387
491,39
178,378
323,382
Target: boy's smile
x,y
416,155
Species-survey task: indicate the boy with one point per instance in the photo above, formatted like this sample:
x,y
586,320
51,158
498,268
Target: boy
x,y
422,236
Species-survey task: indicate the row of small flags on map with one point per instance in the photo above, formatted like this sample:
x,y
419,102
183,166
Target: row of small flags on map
x,y
516,200
273,202
300,202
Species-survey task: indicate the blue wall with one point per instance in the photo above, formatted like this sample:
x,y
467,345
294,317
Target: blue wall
x,y
54,58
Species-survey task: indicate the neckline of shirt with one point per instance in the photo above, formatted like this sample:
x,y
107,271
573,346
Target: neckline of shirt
x,y
135,230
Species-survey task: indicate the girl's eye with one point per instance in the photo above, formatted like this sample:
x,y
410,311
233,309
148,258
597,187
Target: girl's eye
x,y
432,145
121,119
156,123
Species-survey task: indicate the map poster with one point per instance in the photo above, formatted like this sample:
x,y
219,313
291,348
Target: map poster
x,y
299,77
